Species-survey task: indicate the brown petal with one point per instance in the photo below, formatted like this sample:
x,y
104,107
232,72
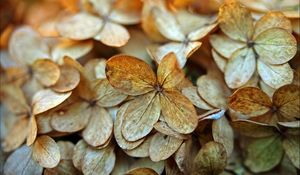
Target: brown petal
x,y
250,101
123,143
68,80
107,96
163,128
99,161
74,118
178,112
130,75
163,146
46,71
140,116
142,150
236,21
287,100
16,135
21,162
148,163
46,152
253,129
223,133
144,171
113,34
168,72
43,123
79,153
99,128
79,26
47,99
211,159
65,167
192,94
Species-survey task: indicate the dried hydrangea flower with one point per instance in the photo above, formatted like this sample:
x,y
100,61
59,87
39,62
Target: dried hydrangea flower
x,y
266,46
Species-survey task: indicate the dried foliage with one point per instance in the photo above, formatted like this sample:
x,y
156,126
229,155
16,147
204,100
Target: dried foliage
x,y
148,87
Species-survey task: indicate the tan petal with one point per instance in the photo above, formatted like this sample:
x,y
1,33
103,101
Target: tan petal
x,y
292,124
101,7
125,18
141,150
167,25
236,21
46,71
275,75
192,94
253,129
113,34
178,112
182,51
66,149
168,72
71,48
13,98
213,114
144,171
219,60
123,143
79,26
223,133
224,45
130,75
99,161
287,101
240,68
292,149
74,118
275,46
141,115
21,162
79,153
266,88
16,135
100,69
272,20
46,152
68,80
148,163
212,91
100,127
211,159
163,146
47,99
43,123
64,167
250,101
32,131
107,96
26,46
163,128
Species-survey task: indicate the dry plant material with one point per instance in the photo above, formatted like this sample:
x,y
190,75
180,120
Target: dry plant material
x,y
172,87
265,47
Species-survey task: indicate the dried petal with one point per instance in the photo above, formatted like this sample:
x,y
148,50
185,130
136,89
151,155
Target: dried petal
x,y
211,159
141,115
240,68
275,46
32,133
142,150
163,128
292,149
253,129
178,112
65,167
264,154
144,171
79,153
219,60
46,71
21,162
130,75
236,21
66,149
46,152
68,80
287,101
79,26
275,75
250,101
192,94
47,99
99,128
163,146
